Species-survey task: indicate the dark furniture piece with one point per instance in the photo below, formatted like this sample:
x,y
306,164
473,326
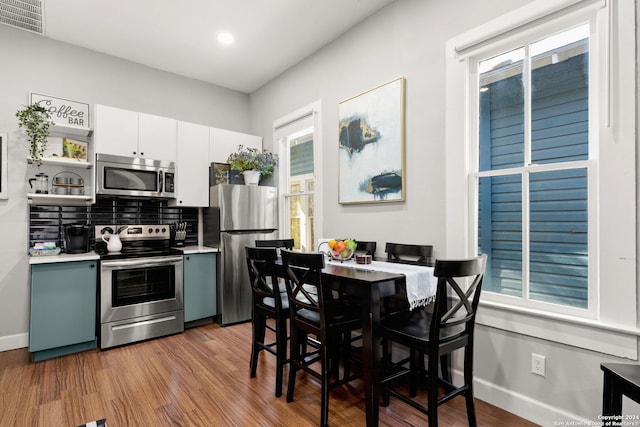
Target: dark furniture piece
x,y
366,248
275,243
619,379
314,312
440,328
368,287
409,254
268,303
404,254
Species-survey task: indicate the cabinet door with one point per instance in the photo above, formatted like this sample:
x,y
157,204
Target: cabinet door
x,y
192,166
246,140
63,304
199,286
116,131
157,137
224,142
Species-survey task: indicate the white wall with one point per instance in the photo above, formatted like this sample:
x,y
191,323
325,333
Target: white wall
x,y
34,63
407,38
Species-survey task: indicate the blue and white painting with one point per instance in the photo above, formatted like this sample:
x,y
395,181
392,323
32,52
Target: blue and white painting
x,y
371,145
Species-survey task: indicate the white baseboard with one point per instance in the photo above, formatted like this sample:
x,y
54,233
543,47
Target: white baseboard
x,y
12,342
519,404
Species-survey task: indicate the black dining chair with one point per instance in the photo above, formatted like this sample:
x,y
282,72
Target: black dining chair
x,y
268,303
409,254
362,248
404,254
442,327
365,248
275,243
316,313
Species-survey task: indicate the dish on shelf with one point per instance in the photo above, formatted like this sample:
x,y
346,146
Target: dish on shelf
x,y
44,252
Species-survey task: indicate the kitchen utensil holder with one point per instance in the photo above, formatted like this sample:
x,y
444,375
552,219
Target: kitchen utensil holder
x,y
63,184
178,233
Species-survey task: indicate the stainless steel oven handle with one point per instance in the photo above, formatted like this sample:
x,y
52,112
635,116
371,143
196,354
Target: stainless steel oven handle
x,y
141,262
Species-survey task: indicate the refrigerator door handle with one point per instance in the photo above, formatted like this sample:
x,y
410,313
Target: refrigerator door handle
x,y
271,230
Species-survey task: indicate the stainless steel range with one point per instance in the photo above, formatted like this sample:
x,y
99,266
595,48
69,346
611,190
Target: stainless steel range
x,y
141,294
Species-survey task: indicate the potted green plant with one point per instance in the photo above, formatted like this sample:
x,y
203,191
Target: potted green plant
x,y
252,163
36,121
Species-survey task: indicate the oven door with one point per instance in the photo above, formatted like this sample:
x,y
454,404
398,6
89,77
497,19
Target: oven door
x,y
131,288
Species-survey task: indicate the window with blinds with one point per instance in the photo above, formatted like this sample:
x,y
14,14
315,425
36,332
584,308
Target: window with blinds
x,y
298,176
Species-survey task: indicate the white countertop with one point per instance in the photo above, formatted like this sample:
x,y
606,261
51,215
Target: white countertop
x,y
192,249
197,249
88,256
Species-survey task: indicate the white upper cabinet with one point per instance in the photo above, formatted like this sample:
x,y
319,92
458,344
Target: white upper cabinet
x,y
224,142
157,137
192,166
116,131
129,133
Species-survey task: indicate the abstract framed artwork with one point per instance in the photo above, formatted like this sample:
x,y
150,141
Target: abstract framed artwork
x,y
371,145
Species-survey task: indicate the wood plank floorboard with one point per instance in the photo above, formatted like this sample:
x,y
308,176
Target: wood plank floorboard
x,y
197,378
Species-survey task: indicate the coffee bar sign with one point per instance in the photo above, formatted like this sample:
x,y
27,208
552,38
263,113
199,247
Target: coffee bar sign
x,y
63,112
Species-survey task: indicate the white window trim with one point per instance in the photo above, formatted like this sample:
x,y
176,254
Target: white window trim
x,y
314,109
4,166
614,330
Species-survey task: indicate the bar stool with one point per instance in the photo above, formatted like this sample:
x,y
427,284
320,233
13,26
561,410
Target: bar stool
x,y
268,303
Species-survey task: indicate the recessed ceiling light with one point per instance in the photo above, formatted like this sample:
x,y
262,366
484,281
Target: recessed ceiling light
x,y
226,38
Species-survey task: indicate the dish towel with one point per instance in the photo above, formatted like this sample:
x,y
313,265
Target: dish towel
x,y
421,284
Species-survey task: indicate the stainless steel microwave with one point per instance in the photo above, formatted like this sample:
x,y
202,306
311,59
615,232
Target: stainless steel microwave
x,y
134,177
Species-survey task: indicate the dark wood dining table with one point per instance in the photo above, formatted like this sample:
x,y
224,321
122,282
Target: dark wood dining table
x,y
368,286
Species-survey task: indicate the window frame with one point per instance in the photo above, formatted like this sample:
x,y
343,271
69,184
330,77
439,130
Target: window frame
x,y
528,168
4,165
613,329
285,194
315,111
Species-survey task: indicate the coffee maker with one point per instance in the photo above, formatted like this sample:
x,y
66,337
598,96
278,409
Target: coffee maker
x,y
76,238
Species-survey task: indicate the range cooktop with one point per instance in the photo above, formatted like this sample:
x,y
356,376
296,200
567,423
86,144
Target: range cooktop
x,y
138,241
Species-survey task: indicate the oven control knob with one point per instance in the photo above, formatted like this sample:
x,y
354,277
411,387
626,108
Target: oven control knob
x,y
157,230
164,230
151,230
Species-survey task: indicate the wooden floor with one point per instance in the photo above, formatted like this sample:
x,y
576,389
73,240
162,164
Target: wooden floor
x,y
197,378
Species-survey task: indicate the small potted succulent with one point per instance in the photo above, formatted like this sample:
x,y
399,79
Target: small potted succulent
x,y
252,163
36,121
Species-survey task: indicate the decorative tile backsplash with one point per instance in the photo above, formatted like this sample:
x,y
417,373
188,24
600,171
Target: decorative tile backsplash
x,y
46,223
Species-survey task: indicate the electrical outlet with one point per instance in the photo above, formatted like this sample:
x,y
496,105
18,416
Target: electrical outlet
x,y
538,364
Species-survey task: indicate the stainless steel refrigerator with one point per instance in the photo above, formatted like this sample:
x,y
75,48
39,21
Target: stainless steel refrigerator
x,y
237,216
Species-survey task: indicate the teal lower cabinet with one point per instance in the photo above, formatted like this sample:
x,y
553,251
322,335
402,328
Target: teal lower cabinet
x,y
63,308
199,286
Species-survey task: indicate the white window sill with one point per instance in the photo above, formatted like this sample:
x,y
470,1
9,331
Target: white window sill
x,y
607,338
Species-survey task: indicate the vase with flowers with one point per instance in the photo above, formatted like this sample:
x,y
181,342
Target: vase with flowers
x,y
252,163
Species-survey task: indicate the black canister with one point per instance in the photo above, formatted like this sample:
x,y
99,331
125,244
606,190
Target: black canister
x,y
76,238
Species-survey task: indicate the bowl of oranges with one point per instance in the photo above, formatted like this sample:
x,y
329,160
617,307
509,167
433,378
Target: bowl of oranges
x,y
341,250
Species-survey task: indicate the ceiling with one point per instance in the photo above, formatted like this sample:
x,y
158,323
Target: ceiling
x,y
180,36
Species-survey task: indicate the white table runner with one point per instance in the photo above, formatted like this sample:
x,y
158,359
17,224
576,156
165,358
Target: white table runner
x,y
420,282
